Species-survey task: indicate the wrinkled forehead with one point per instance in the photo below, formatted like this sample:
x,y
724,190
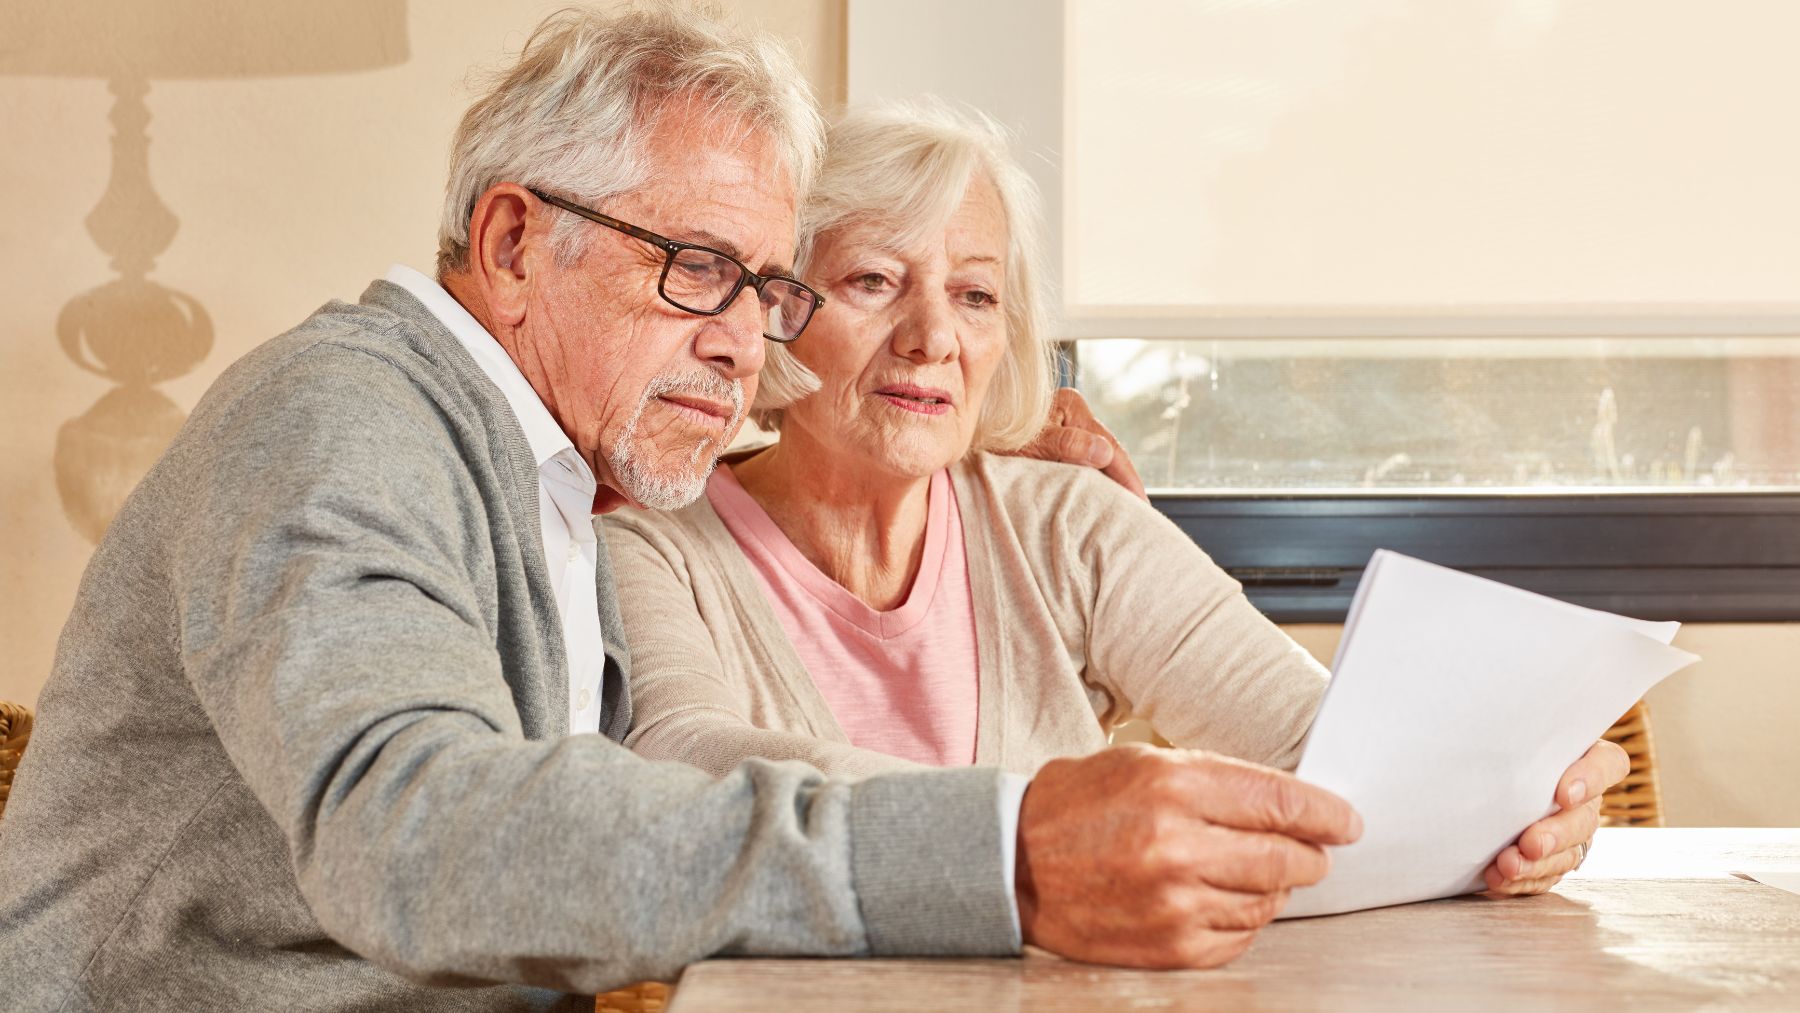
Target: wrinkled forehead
x,y
719,181
685,128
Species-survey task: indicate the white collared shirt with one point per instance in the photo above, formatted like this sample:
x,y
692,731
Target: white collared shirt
x,y
566,488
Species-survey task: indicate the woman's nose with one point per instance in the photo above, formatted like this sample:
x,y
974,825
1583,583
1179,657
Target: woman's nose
x,y
927,332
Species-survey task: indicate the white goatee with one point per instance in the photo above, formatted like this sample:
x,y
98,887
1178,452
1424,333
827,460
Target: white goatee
x,y
636,472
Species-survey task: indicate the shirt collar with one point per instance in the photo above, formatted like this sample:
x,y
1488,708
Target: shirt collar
x,y
546,438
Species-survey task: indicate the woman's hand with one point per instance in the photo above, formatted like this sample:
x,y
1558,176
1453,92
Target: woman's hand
x,y
1074,436
1559,842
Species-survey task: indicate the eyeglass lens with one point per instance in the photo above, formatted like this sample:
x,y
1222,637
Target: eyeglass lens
x,y
702,281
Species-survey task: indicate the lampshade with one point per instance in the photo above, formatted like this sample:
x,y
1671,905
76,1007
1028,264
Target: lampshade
x,y
190,39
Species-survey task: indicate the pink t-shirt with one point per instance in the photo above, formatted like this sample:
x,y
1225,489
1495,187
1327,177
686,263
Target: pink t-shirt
x,y
903,682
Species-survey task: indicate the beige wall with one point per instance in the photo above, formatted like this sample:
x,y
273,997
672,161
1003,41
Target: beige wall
x,y
295,177
299,147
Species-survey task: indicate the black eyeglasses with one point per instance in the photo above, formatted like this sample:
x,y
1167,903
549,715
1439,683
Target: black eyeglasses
x,y
704,281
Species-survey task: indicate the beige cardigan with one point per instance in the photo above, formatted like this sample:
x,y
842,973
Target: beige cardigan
x,y
1090,608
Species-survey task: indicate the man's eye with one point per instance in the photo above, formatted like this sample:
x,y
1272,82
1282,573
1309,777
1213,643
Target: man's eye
x,y
702,271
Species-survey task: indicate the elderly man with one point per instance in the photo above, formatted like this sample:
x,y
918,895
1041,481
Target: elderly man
x,y
321,728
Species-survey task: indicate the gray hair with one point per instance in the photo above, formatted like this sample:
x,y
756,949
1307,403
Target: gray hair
x,y
573,114
905,167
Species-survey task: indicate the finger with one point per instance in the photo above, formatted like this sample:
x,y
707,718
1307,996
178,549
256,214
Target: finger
x,y
1072,410
1526,887
1248,797
1601,767
1256,863
1196,948
1493,878
1079,446
1122,471
1064,402
1172,911
1560,831
1172,929
1506,866
1235,911
1069,446
1511,866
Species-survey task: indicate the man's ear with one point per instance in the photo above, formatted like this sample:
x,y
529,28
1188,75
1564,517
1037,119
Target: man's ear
x,y
508,233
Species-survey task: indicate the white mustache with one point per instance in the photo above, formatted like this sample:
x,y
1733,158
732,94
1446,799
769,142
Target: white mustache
x,y
710,386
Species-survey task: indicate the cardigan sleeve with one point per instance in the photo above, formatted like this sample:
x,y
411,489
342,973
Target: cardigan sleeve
x,y
1167,634
691,671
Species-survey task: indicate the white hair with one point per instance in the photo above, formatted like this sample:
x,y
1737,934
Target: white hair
x,y
572,116
905,167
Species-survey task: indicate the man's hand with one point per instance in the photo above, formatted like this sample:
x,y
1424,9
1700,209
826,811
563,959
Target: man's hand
x,y
1147,857
1558,843
1074,436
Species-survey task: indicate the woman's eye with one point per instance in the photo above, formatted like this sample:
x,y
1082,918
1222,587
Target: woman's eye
x,y
871,282
977,297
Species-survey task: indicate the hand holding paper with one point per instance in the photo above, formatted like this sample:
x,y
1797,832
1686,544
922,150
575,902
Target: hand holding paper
x,y
1212,846
1456,704
1556,844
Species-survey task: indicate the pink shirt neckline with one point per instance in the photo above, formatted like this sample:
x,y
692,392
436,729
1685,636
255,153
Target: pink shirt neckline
x,y
729,497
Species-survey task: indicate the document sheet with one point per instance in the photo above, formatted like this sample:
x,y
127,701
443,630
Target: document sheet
x,y
1789,881
1455,705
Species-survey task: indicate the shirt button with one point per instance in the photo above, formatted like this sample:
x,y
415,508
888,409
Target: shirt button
x,y
582,701
574,551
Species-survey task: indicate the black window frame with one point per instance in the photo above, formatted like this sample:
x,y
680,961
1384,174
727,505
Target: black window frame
x,y
1692,557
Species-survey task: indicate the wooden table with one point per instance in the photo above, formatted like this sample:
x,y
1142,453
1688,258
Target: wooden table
x,y
1654,920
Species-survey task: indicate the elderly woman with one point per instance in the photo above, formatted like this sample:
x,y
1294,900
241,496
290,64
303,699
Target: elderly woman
x,y
879,589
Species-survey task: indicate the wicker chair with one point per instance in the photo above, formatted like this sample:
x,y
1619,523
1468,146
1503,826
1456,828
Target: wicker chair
x,y
1637,800
644,997
15,731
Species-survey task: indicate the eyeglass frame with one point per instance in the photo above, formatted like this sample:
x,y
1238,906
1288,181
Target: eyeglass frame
x,y
672,247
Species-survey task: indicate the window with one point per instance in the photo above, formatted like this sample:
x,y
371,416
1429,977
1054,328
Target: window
x,y
1507,284
1420,416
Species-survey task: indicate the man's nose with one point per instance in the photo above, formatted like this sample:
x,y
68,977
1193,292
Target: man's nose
x,y
733,341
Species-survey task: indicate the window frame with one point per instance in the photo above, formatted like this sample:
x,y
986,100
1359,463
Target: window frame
x,y
1691,557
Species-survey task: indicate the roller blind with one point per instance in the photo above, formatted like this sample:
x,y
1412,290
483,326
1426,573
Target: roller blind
x,y
1506,153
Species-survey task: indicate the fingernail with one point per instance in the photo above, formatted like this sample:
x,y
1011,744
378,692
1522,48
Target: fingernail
x,y
1100,453
1356,825
1549,844
1577,792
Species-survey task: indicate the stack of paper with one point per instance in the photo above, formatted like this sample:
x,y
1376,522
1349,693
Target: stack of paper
x,y
1454,707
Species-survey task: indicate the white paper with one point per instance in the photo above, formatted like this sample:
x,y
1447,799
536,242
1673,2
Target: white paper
x,y
1454,707
1789,881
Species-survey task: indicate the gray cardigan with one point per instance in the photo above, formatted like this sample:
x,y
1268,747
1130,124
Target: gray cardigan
x,y
305,743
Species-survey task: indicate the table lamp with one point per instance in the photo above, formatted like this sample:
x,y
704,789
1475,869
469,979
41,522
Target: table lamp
x,y
132,330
